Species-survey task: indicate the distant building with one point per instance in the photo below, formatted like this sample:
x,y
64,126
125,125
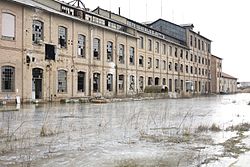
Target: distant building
x,y
228,84
216,70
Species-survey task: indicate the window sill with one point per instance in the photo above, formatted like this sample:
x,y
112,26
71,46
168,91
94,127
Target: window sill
x,y
11,39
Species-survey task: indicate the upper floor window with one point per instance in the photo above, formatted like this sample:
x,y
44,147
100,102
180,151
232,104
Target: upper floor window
x,y
191,40
202,45
149,62
157,63
8,26
175,52
132,56
164,49
62,37
8,79
110,51
141,44
149,45
121,54
37,31
141,61
170,50
186,55
195,42
81,46
181,54
199,44
157,47
96,48
164,64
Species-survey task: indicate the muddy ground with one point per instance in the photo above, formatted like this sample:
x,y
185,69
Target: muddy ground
x,y
205,131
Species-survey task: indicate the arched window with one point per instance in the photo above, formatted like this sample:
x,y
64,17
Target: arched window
x,y
8,79
62,81
8,26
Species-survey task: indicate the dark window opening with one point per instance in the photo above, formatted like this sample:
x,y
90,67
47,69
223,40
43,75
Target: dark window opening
x,y
96,82
49,52
8,79
157,81
81,81
110,82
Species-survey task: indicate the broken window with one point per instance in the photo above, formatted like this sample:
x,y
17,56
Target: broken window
x,y
49,52
157,47
109,51
96,47
121,83
191,40
195,70
199,59
62,37
37,32
8,79
96,82
157,81
149,62
195,58
157,63
150,81
141,61
81,81
182,83
8,26
199,44
176,85
131,82
141,81
121,53
62,81
110,82
81,46
132,56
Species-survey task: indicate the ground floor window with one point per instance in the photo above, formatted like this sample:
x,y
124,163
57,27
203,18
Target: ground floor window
x,y
132,82
150,81
121,82
110,82
170,85
8,78
141,83
96,82
81,81
62,81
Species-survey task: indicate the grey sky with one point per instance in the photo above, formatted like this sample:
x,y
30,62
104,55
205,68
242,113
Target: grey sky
x,y
225,22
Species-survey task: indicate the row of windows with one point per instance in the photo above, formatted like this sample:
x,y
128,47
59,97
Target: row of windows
x,y
201,45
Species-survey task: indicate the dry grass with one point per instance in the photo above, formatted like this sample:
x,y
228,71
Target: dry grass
x,y
243,127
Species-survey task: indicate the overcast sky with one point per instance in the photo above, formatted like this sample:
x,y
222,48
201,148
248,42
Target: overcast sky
x,y
225,22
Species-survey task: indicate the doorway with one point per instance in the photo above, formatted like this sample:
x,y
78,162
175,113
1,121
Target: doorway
x,y
37,83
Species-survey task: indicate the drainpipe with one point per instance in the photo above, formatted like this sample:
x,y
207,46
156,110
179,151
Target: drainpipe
x,y
23,55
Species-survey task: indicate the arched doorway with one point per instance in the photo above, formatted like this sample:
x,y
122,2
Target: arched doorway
x,y
37,83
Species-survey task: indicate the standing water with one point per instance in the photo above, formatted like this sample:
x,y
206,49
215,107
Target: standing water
x,y
205,131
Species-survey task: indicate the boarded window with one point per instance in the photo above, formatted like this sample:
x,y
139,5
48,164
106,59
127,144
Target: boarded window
x,y
8,79
8,26
81,81
81,46
37,31
62,81
109,51
96,47
62,37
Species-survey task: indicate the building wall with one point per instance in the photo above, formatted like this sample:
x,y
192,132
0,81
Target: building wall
x,y
216,70
228,85
27,57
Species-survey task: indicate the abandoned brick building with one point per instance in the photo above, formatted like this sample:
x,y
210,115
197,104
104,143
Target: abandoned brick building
x,y
51,50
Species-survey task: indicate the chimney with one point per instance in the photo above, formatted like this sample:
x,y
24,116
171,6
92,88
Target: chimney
x,y
199,32
119,11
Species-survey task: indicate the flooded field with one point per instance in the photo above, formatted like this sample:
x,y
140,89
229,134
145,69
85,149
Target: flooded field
x,y
206,131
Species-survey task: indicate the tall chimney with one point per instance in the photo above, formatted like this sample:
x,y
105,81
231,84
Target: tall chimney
x,y
119,11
